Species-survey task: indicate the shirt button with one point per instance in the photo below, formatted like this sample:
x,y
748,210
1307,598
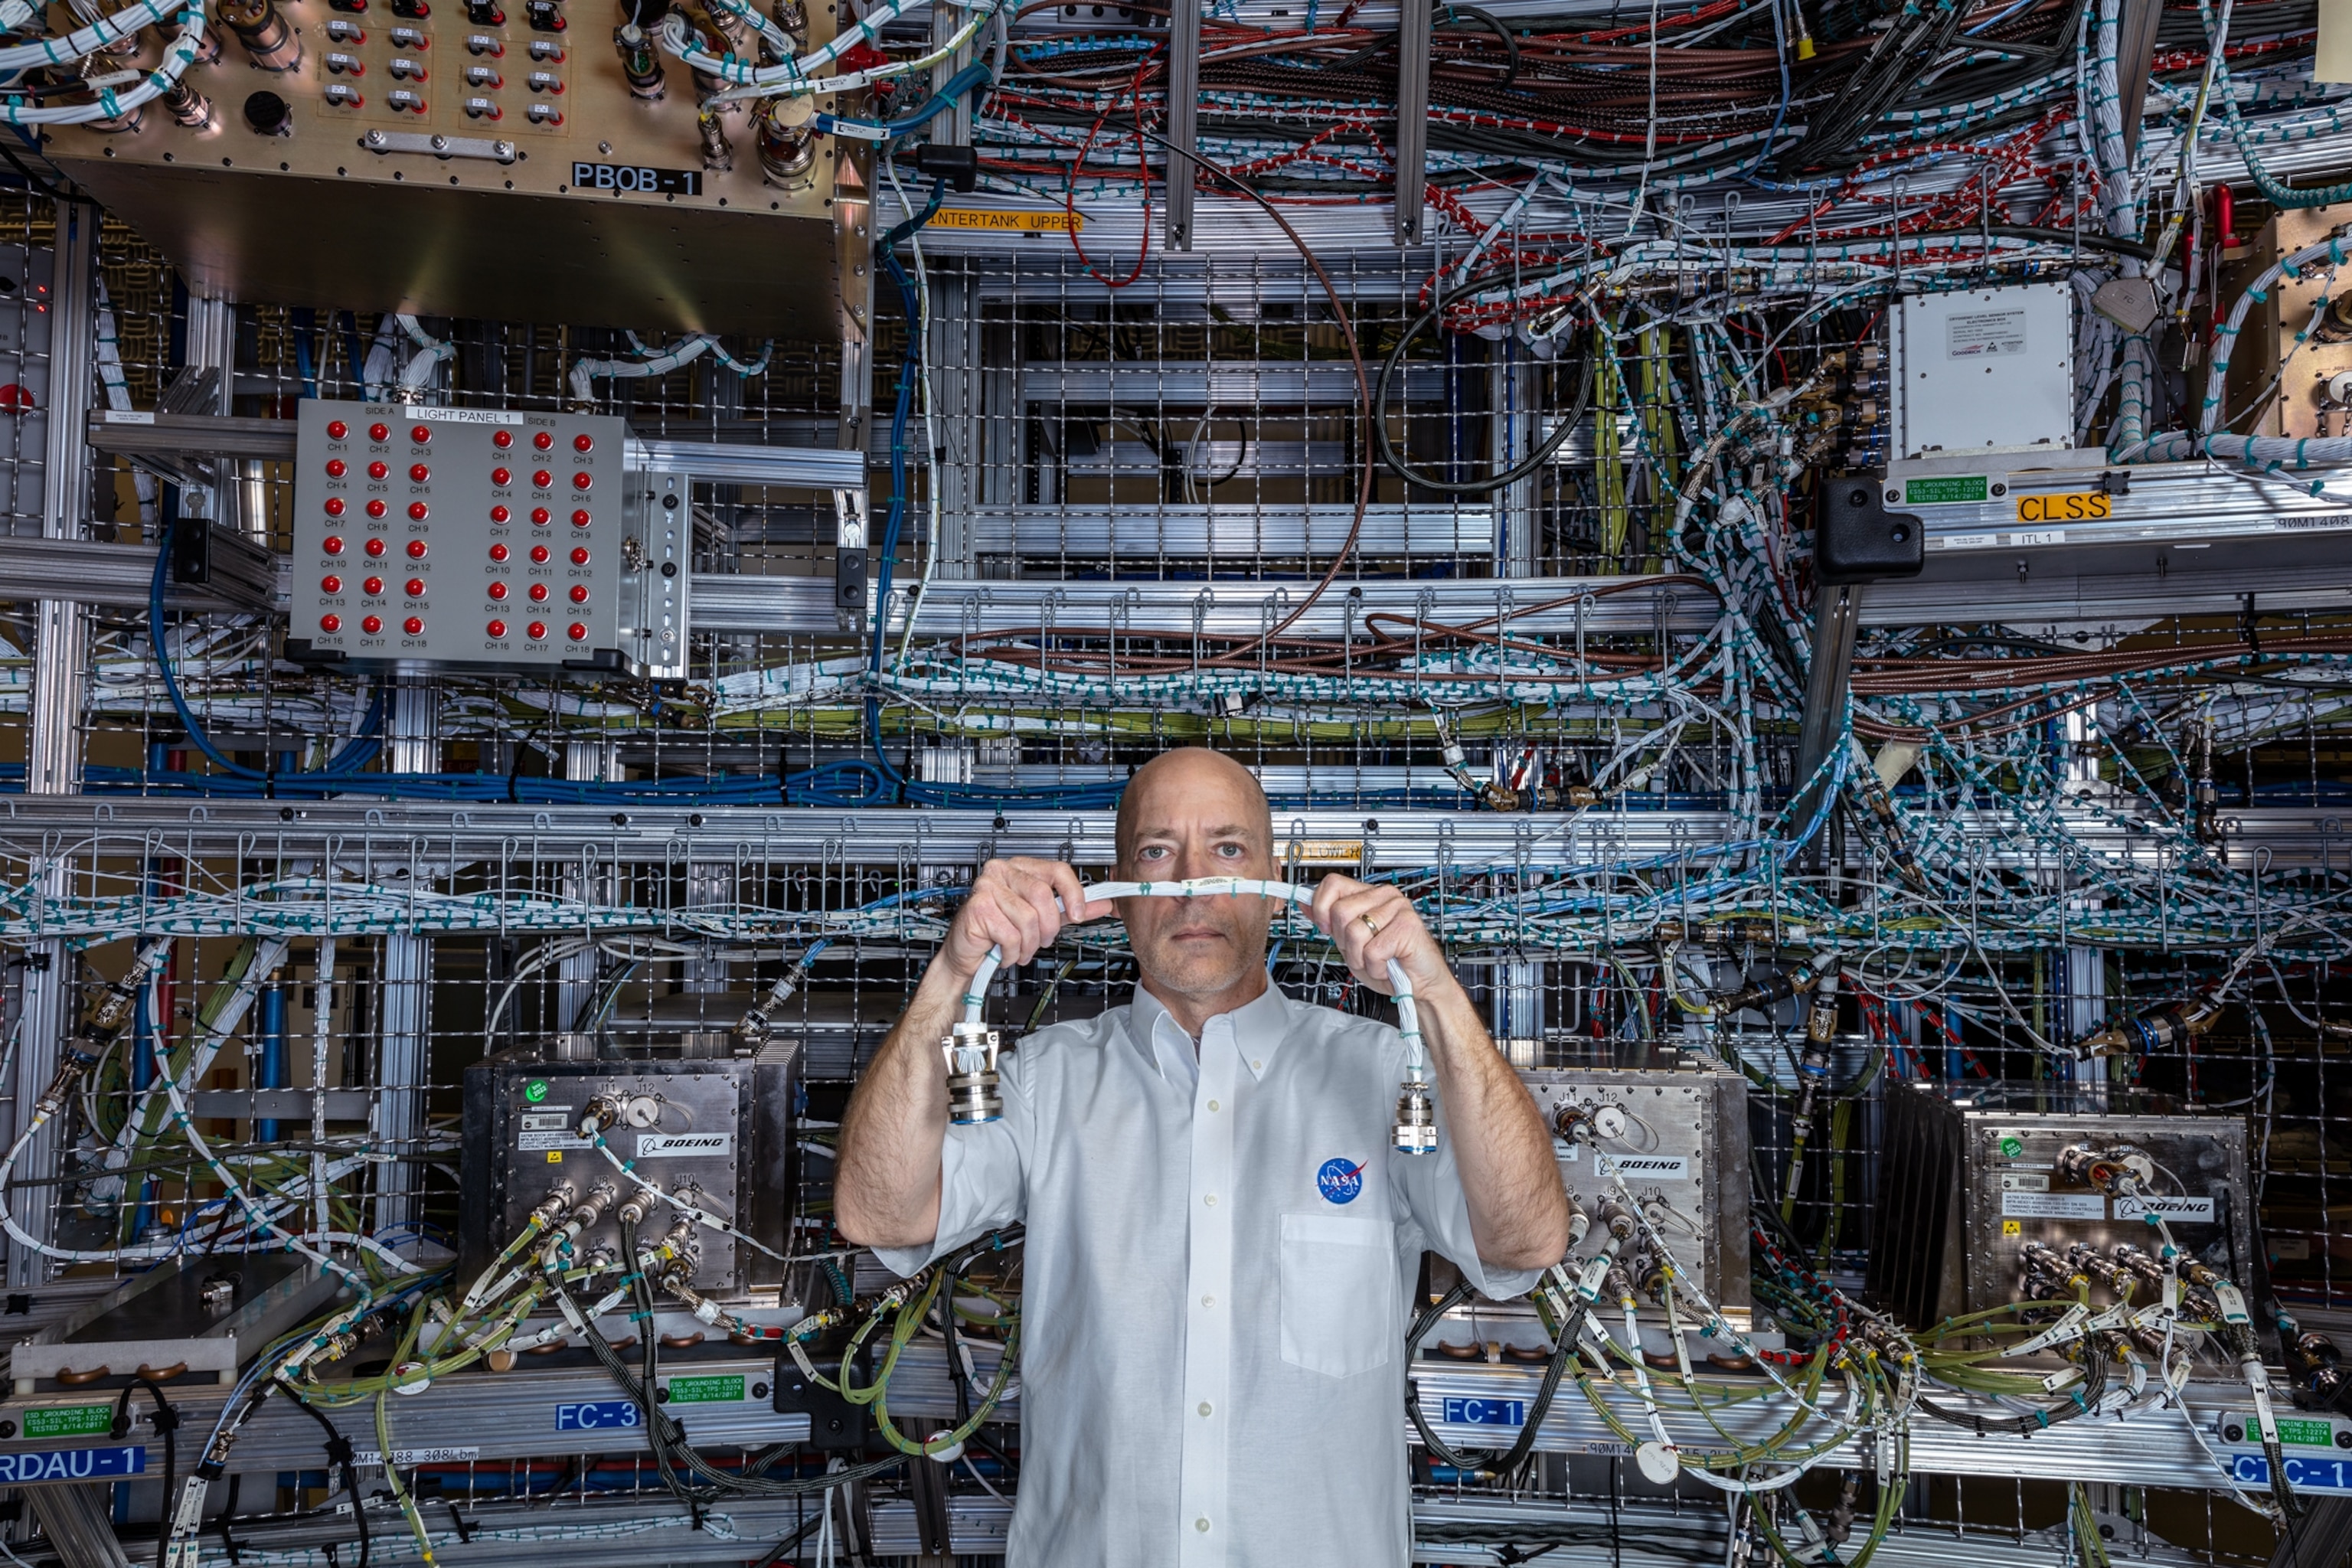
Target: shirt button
x,y
1258,1066
1208,1300
1205,1408
1212,1105
1202,1525
1211,1200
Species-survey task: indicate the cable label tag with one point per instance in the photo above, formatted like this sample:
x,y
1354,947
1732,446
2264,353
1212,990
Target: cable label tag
x,y
800,1358
2233,1304
2064,1377
2069,1327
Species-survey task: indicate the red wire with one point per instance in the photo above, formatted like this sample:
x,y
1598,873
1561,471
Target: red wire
x,y
1070,181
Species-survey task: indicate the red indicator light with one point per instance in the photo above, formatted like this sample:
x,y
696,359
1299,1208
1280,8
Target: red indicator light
x,y
579,593
330,585
583,442
540,517
334,506
539,592
499,514
337,429
497,628
580,519
417,511
502,439
372,624
542,478
415,588
376,508
416,550
422,434
413,625
330,623
379,432
334,544
537,628
501,477
543,440
579,631
580,481
419,473
379,471
498,590
375,547
538,554
580,555
373,587
336,468
497,552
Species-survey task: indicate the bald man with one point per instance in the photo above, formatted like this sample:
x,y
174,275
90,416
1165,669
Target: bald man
x,y
1221,1243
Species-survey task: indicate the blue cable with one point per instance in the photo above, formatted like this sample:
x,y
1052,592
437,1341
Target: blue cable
x,y
355,755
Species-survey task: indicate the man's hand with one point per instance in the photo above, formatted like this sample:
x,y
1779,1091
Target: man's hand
x,y
1012,906
1372,924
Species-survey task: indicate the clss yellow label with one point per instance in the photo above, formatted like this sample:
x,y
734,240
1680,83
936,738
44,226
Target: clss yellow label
x,y
2069,506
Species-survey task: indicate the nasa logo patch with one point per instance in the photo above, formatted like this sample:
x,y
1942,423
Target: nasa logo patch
x,y
1340,1181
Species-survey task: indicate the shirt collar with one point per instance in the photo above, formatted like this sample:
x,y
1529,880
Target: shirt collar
x,y
1259,1028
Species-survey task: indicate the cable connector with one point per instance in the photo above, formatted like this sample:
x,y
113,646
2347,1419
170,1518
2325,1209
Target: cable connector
x,y
1416,1119
973,1095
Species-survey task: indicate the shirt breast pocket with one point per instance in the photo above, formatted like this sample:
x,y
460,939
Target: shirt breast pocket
x,y
1340,1297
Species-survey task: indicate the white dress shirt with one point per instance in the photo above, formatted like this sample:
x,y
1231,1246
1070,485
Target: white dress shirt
x,y
1220,1259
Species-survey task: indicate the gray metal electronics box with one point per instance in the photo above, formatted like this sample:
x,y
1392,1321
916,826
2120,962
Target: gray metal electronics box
x,y
1972,1175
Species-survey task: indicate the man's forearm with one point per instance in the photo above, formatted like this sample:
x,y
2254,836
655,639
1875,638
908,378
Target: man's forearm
x,y
887,1186
1519,1210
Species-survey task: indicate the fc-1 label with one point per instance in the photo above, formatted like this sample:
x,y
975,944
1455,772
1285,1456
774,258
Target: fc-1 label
x,y
636,177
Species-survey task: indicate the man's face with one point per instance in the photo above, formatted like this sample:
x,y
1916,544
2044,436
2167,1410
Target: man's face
x,y
1197,816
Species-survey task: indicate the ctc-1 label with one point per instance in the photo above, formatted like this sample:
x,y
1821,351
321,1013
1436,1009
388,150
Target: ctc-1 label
x,y
636,177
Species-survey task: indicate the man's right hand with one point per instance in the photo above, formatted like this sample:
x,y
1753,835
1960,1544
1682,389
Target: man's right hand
x,y
1012,906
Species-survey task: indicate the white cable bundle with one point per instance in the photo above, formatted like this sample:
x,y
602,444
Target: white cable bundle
x,y
1416,1131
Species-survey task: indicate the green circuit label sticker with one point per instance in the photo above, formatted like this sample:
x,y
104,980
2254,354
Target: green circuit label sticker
x,y
1946,490
726,1389
68,1421
2310,1434
535,1090
2011,1148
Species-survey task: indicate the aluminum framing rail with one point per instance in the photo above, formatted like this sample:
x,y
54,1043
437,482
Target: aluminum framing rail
x,y
57,831
1237,529
2151,1448
478,1415
117,577
1557,606
627,1531
148,435
1242,384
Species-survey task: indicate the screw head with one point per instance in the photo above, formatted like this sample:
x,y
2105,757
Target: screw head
x,y
1893,496
1999,489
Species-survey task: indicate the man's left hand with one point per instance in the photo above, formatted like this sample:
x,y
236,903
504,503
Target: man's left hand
x,y
1372,924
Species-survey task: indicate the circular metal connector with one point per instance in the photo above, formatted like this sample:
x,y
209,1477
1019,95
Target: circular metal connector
x,y
972,1093
1416,1121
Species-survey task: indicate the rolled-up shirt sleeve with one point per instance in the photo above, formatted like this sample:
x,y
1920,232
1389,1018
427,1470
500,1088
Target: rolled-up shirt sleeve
x,y
982,1175
1432,1187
